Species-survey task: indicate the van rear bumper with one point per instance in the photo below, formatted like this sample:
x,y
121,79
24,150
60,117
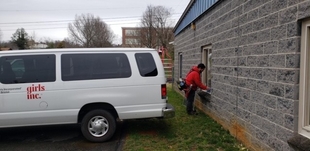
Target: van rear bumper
x,y
168,111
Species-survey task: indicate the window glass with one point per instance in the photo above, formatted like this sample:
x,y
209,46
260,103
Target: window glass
x,y
18,67
146,64
209,63
94,66
131,41
27,69
180,64
207,60
131,32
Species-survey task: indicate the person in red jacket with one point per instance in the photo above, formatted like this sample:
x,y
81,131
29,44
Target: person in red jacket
x,y
193,81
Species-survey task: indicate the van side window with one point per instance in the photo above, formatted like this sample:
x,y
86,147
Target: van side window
x,y
146,64
27,69
94,66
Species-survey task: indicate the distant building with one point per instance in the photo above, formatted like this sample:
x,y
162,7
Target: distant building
x,y
130,37
5,49
144,37
38,46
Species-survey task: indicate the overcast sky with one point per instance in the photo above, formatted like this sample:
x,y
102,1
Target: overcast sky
x,y
50,18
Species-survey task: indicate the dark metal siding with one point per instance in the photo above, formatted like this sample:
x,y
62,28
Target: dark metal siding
x,y
197,8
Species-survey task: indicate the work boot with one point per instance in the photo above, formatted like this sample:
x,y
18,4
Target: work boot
x,y
192,113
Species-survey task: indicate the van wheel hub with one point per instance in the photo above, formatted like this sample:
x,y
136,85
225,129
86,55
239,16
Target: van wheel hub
x,y
98,126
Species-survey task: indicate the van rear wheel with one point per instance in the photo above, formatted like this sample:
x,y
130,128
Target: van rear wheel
x,y
98,126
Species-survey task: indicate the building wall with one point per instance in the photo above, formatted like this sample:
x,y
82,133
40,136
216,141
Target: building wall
x,y
255,67
138,37
130,37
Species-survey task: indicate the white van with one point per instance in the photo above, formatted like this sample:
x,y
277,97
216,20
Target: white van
x,y
91,86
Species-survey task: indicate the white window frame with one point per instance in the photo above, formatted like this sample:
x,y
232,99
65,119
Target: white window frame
x,y
304,87
206,74
180,65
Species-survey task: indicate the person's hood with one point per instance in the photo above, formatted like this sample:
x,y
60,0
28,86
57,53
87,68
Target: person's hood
x,y
195,68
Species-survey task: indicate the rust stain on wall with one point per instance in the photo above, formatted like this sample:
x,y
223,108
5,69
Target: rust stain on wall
x,y
235,129
240,133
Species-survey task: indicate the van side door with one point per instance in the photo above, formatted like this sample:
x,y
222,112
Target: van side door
x,y
26,84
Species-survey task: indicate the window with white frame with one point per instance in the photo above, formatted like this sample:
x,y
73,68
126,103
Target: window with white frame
x,y
131,41
304,95
206,59
131,32
180,64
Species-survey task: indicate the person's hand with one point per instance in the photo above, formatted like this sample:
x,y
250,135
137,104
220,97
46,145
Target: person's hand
x,y
209,89
203,90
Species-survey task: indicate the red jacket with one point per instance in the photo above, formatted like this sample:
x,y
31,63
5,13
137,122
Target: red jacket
x,y
193,77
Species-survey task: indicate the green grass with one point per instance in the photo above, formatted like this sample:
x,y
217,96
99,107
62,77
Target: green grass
x,y
183,132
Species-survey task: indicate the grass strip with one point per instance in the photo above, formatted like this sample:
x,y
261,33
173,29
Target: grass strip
x,y
183,132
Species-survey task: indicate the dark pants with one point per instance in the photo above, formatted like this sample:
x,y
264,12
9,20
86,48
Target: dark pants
x,y
190,101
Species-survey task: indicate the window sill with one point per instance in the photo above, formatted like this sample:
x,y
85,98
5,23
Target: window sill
x,y
299,143
204,96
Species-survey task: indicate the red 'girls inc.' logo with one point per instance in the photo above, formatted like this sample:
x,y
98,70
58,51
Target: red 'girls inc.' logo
x,y
32,91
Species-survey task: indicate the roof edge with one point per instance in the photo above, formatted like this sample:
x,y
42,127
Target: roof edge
x,y
183,15
188,8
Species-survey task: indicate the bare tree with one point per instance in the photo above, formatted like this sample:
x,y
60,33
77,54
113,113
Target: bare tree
x,y
69,44
147,32
33,36
32,39
163,26
156,27
89,31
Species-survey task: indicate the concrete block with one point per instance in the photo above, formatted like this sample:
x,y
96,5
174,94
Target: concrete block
x,y
292,60
264,35
271,47
261,110
289,45
278,5
283,133
292,91
272,20
256,73
288,76
285,106
263,61
275,143
289,121
293,29
246,105
265,10
278,32
269,74
275,116
277,60
288,15
303,10
268,127
276,89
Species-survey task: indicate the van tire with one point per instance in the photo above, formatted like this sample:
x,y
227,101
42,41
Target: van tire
x,y
98,126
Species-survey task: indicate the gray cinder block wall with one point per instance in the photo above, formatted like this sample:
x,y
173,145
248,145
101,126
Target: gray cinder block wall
x,y
255,67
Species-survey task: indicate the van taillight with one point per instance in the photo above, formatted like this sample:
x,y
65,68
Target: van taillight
x,y
163,91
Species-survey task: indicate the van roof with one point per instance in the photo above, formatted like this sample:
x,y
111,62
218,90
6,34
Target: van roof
x,y
76,50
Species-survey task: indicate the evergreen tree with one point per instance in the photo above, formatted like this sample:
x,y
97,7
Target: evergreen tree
x,y
20,38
